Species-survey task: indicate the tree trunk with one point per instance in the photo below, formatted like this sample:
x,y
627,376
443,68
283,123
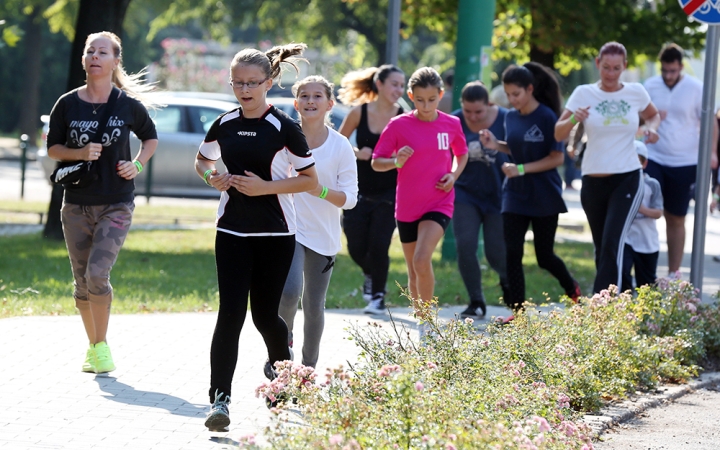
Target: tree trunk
x,y
29,113
542,57
93,16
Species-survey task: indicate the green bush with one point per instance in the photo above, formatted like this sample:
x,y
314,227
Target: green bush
x,y
522,385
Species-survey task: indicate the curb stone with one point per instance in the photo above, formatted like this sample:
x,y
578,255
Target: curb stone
x,y
621,412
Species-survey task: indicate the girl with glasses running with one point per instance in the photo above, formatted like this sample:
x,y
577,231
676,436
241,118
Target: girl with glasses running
x,y
255,239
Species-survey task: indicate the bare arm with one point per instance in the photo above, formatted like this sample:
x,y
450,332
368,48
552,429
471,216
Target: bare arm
x,y
127,169
653,213
252,185
652,121
488,140
567,121
551,161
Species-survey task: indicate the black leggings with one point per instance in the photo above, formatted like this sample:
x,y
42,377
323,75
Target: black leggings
x,y
257,265
610,204
514,228
369,227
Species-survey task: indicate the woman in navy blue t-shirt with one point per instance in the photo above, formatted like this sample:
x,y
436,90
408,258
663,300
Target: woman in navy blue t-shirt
x,y
533,190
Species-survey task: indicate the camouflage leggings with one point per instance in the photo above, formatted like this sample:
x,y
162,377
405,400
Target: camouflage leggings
x,y
94,236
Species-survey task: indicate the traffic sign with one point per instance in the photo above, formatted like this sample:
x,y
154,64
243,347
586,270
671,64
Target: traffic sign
x,y
705,11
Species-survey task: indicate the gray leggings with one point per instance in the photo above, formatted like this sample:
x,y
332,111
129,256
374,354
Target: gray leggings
x,y
308,282
94,236
467,220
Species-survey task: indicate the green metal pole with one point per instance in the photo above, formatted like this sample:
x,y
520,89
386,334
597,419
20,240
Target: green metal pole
x,y
472,62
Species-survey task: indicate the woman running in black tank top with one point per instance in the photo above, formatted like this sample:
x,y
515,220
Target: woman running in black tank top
x,y
370,225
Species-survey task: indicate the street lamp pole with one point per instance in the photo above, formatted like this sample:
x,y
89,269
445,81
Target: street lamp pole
x,y
392,43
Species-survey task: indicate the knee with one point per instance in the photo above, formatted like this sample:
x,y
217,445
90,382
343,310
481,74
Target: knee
x,y
545,261
265,324
98,284
422,263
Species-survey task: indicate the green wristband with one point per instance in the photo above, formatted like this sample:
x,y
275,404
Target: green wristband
x,y
573,120
396,163
205,176
324,192
716,197
521,169
139,165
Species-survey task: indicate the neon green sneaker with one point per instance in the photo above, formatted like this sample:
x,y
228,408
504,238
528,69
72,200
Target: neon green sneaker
x,y
89,364
103,359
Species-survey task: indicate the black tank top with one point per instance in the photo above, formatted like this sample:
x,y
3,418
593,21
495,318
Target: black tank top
x,y
369,181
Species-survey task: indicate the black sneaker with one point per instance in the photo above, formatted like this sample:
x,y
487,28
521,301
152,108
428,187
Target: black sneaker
x,y
218,419
376,305
367,288
474,310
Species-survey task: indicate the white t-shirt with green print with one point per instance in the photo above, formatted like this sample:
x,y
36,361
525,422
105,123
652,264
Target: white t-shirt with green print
x,y
611,126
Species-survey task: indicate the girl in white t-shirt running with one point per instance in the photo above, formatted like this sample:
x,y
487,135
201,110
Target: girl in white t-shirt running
x,y
612,185
317,212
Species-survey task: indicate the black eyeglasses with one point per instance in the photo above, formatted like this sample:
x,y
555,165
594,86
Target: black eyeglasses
x,y
249,84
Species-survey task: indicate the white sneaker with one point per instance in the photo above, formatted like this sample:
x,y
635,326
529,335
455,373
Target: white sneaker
x,y
677,275
376,305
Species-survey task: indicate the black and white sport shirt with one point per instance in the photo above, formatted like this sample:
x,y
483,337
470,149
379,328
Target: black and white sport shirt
x,y
269,147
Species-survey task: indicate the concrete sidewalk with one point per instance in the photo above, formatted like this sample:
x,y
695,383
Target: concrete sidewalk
x,y
158,396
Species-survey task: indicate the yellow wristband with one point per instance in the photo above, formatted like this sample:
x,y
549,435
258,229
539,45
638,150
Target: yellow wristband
x,y
396,163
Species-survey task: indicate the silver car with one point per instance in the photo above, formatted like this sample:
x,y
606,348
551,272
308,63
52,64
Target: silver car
x,y
181,127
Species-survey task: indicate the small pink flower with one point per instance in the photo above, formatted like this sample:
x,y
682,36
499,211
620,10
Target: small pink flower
x,y
335,439
419,386
450,447
543,424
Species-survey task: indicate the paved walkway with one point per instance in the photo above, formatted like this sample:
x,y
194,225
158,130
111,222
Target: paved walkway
x,y
158,396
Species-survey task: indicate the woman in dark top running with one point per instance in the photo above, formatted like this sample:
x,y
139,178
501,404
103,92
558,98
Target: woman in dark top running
x,y
533,190
370,225
255,239
96,217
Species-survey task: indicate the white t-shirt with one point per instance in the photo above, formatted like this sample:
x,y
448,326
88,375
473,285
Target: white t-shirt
x,y
680,131
643,234
611,126
318,220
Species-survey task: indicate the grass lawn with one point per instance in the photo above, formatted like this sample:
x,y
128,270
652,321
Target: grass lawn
x,y
174,270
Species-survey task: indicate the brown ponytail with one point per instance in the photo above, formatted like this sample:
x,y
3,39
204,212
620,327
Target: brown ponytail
x,y
360,86
270,61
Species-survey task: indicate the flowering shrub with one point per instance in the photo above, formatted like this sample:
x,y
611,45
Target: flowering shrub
x,y
523,385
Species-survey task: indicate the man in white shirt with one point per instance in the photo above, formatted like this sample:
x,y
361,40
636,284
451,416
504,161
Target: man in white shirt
x,y
673,159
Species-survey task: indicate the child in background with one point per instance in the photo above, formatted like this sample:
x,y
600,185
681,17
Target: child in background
x,y
642,243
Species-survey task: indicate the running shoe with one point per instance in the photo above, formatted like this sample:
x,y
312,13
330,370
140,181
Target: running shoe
x,y
677,275
504,320
376,305
474,310
103,358
218,419
89,364
367,288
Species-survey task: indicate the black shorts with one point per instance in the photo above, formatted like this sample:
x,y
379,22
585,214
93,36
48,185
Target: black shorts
x,y
677,185
408,231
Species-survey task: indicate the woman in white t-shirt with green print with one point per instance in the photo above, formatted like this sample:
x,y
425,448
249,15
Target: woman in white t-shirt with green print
x,y
612,185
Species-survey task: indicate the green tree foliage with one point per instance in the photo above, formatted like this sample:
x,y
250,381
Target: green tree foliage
x,y
558,31
563,33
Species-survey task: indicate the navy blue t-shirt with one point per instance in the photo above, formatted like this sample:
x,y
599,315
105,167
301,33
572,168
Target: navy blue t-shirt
x,y
531,138
480,184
